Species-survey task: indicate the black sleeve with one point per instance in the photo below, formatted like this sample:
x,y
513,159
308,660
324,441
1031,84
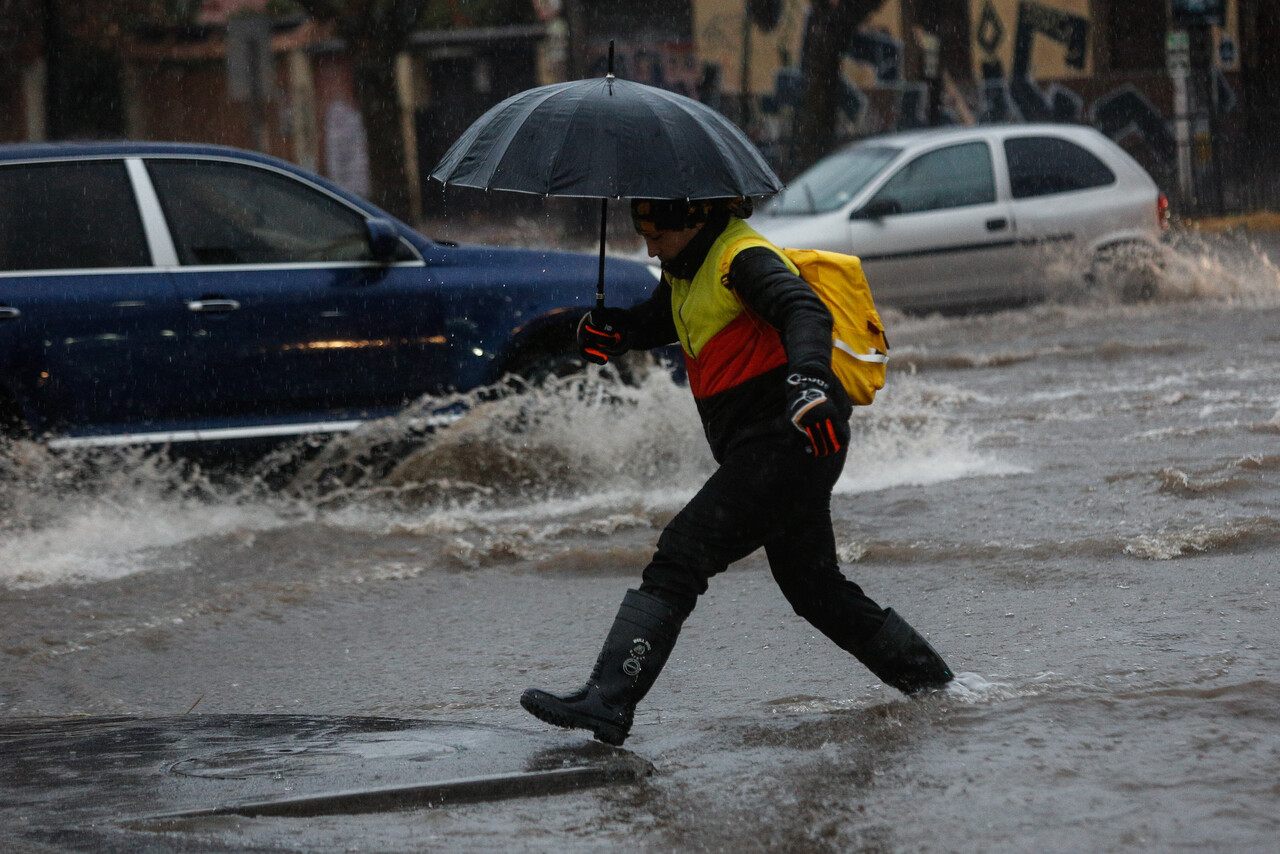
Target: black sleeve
x,y
652,323
768,287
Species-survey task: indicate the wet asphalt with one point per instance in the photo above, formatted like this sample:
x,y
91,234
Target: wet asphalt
x,y
149,784
138,784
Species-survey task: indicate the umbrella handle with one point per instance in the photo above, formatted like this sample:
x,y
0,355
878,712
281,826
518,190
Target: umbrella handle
x,y
604,222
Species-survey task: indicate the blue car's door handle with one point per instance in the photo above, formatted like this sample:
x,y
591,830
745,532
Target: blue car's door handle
x,y
8,312
997,224
212,305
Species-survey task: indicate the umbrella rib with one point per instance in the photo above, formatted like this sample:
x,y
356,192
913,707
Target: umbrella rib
x,y
705,134
554,163
666,128
493,149
513,129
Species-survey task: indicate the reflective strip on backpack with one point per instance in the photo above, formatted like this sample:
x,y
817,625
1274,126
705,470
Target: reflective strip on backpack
x,y
873,356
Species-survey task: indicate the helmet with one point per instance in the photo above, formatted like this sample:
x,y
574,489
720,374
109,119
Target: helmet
x,y
653,215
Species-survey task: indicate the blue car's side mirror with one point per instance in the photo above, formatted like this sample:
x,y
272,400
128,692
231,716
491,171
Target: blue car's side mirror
x,y
384,239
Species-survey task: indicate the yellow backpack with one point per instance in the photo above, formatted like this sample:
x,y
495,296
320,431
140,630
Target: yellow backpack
x,y
859,348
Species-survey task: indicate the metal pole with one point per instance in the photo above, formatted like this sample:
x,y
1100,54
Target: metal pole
x,y
1182,133
744,71
1201,85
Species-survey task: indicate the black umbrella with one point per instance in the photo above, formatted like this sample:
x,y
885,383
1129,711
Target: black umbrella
x,y
607,139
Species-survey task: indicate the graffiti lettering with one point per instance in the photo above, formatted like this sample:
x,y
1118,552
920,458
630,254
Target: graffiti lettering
x,y
1014,96
1125,111
1062,27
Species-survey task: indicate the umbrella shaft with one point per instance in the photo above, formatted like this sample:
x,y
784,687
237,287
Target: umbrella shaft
x,y
604,223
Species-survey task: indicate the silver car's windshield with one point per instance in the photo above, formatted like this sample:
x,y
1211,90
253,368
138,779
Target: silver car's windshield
x,y
832,181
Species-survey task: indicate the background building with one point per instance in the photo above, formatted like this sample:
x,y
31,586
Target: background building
x,y
1194,95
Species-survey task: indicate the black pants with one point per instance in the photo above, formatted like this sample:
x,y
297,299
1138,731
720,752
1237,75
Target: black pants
x,y
767,493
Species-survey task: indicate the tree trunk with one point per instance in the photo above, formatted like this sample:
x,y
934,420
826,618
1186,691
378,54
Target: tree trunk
x,y
949,20
820,68
374,76
53,54
376,31
831,24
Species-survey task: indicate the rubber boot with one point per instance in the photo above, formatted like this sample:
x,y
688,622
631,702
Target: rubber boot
x,y
637,646
903,659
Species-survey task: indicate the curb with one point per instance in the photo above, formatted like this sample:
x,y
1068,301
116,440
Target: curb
x,y
1256,221
612,771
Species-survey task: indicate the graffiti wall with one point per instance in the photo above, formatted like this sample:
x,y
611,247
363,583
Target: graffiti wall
x,y
757,60
773,41
1048,39
1032,60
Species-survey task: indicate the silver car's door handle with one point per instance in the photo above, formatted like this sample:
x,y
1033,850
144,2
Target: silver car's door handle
x,y
213,305
997,224
8,312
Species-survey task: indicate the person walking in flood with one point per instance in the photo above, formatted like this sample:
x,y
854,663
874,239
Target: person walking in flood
x,y
757,345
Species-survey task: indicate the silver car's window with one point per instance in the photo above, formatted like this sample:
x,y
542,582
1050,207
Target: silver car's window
x,y
59,216
950,177
1043,165
227,213
833,181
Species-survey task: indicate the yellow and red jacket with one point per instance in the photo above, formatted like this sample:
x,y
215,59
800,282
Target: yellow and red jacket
x,y
725,343
743,327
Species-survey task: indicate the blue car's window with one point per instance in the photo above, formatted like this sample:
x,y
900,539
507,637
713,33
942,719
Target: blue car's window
x,y
1044,165
59,216
227,213
951,177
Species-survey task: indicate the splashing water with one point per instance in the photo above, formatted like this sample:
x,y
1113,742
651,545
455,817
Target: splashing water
x,y
585,448
909,438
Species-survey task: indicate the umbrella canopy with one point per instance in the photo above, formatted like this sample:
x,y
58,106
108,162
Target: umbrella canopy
x,y
607,138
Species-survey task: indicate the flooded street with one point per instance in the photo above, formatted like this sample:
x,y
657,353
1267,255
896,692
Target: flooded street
x,y
1075,502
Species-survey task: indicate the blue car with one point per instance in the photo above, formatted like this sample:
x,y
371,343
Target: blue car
x,y
170,293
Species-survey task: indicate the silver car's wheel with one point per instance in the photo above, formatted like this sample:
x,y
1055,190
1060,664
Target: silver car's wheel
x,y
1132,272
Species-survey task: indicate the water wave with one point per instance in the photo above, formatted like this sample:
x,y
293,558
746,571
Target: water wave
x,y
98,515
910,438
1200,265
532,476
1188,266
95,516
1240,533
1236,475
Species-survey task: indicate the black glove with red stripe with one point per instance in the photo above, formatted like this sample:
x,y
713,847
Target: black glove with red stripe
x,y
813,413
604,332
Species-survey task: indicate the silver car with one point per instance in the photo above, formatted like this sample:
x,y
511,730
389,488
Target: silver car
x,y
972,217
